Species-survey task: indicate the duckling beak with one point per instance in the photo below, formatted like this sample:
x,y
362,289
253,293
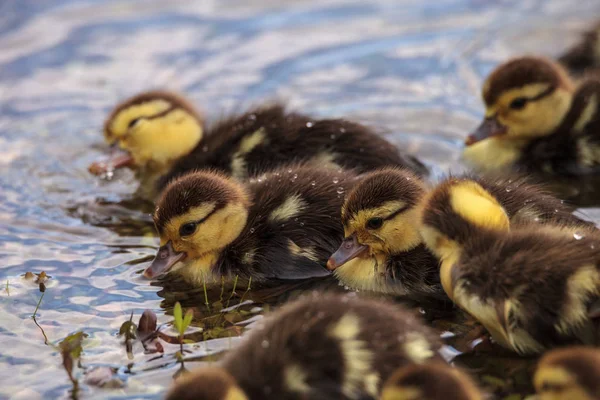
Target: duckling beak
x,y
118,159
349,250
488,128
164,260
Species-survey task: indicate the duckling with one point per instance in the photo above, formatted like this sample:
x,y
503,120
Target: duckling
x,y
164,139
152,129
585,54
537,120
430,381
281,225
572,373
322,346
383,250
533,287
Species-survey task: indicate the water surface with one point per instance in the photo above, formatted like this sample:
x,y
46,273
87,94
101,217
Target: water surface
x,y
411,68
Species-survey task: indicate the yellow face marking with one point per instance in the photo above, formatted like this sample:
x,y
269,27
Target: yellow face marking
x,y
402,393
358,358
206,243
476,205
295,379
562,385
119,125
417,348
171,230
247,144
398,234
538,118
291,207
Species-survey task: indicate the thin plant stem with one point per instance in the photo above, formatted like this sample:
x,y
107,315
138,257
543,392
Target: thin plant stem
x,y
235,280
205,295
247,290
38,304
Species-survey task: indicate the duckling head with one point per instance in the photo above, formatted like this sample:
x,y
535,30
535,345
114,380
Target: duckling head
x,y
380,218
154,129
430,381
524,98
212,383
570,373
453,213
197,216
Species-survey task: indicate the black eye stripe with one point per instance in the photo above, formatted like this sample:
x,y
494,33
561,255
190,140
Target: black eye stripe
x,y
534,98
398,211
200,221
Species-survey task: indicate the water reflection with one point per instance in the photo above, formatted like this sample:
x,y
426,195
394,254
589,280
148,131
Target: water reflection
x,y
412,69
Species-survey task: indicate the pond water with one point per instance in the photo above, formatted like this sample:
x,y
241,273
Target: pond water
x,y
410,68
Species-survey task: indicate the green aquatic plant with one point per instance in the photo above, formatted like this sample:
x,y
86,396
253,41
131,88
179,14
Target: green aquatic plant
x,y
181,324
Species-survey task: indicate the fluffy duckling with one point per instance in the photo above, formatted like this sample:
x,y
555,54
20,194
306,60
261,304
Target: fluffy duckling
x,y
281,225
383,249
430,381
536,119
585,54
163,137
319,347
572,373
533,287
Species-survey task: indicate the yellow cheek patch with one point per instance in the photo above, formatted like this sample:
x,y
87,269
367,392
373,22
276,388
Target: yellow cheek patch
x,y
469,200
291,207
119,125
247,144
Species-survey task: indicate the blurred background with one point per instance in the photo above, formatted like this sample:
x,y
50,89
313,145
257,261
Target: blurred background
x,y
413,69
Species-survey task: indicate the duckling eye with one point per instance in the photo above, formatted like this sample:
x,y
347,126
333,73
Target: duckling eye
x,y
187,229
133,122
375,223
518,103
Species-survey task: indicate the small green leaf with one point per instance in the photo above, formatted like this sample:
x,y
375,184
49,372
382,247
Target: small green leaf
x,y
178,315
187,320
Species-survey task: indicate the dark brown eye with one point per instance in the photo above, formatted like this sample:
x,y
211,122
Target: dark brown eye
x,y
133,122
187,229
375,223
518,103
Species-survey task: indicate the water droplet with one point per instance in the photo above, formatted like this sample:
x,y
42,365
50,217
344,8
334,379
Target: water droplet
x,y
252,117
336,180
332,136
252,230
301,223
309,124
265,345
592,246
343,130
340,190
313,183
289,171
296,219
294,177
205,148
508,190
422,311
283,225
578,236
